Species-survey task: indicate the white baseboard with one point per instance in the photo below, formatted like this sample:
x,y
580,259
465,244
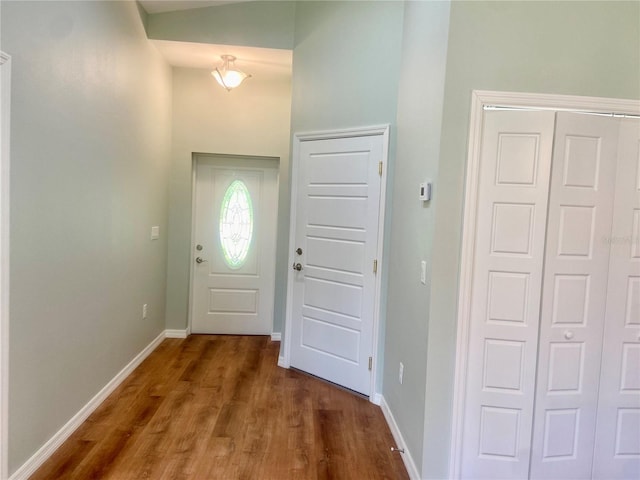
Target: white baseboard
x,y
410,465
376,399
42,455
281,362
276,336
176,333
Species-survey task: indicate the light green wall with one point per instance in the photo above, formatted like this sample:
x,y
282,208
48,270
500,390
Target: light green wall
x,y
91,131
420,99
345,74
89,171
579,48
267,24
345,64
250,120
263,24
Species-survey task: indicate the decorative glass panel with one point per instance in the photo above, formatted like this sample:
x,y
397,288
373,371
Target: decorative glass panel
x,y
236,224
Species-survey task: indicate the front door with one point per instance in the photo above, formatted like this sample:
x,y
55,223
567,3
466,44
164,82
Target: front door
x,y
234,245
334,260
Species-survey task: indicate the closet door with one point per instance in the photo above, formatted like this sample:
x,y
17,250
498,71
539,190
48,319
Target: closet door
x,y
505,304
617,450
573,296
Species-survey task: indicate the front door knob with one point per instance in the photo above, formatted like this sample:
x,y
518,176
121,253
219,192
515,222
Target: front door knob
x,y
297,266
200,260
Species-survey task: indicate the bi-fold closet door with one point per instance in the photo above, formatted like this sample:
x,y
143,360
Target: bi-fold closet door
x,y
553,369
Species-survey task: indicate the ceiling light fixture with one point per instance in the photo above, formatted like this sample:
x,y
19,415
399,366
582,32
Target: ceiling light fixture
x,y
227,74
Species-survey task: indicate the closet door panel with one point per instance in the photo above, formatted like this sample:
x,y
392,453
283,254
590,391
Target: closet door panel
x,y
573,295
507,274
617,449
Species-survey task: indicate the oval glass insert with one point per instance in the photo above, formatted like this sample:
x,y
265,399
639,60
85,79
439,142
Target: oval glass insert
x,y
236,224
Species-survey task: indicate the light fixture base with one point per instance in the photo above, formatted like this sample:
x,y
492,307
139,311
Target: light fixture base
x,y
227,75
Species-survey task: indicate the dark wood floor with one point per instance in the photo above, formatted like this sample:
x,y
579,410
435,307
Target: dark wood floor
x,y
218,407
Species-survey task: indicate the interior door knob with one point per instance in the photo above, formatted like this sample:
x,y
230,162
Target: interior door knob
x,y
568,334
297,266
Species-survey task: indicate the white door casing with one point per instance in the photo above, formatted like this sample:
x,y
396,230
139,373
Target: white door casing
x,y
333,300
574,295
230,298
617,449
5,117
511,211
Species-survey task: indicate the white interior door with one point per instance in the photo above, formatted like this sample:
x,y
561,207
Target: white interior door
x,y
574,295
557,397
506,288
234,245
336,231
617,449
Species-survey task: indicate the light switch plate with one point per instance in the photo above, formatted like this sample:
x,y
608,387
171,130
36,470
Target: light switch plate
x,y
425,191
155,232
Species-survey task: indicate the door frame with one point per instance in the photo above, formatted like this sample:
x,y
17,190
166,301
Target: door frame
x,y
298,138
481,100
194,163
5,113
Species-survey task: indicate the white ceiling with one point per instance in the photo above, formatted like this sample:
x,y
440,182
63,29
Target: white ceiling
x,y
255,61
159,6
252,60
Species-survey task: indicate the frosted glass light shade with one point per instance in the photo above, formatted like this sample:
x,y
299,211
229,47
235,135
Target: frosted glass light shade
x,y
227,75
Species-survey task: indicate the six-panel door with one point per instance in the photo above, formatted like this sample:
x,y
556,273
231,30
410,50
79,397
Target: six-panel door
x,y
234,245
556,268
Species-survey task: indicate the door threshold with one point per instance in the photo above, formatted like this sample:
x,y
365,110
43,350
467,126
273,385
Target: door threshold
x,y
340,387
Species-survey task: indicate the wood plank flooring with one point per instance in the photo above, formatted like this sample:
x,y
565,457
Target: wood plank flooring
x,y
218,407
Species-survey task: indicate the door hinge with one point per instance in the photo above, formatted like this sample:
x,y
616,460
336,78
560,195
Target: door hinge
x,y
375,266
370,363
380,168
